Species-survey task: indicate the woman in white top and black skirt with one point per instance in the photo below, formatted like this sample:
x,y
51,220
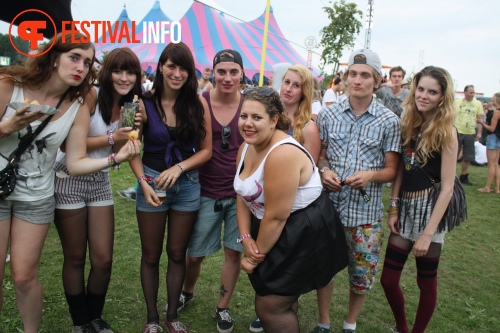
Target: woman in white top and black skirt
x,y
291,234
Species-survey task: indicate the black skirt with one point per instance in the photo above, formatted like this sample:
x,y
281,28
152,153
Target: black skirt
x,y
309,252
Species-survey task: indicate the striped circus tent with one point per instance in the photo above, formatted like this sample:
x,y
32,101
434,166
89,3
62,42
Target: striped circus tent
x,y
206,31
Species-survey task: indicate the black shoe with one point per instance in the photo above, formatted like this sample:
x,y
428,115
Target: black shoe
x,y
225,322
464,179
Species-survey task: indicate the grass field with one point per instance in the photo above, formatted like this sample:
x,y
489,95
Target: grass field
x,y
469,273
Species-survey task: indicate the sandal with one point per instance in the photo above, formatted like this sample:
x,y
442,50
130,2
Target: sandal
x,y
484,190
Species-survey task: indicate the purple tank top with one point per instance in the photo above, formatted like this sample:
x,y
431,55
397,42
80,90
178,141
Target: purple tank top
x,y
157,138
217,175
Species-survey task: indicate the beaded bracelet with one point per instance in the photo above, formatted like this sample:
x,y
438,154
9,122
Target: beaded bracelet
x,y
182,170
112,162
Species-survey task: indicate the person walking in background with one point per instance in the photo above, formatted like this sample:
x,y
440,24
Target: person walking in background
x,y
84,205
177,135
285,219
204,83
332,93
359,153
391,94
470,111
492,126
60,77
218,198
429,151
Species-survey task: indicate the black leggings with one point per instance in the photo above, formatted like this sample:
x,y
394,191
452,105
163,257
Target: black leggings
x,y
152,231
77,228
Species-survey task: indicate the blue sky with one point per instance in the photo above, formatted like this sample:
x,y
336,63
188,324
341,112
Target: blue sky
x,y
462,36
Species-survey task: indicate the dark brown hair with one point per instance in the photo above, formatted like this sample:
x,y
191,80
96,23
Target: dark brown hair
x,y
123,59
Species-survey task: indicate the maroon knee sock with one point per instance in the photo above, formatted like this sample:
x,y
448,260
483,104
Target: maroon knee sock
x,y
394,262
427,283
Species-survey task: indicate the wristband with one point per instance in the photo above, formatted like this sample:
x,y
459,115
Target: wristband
x,y
323,169
141,178
242,237
182,170
112,162
110,138
394,202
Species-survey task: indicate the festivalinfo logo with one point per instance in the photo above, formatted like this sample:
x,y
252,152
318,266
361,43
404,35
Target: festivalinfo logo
x,y
152,32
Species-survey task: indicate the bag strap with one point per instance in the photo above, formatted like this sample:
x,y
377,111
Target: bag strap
x,y
27,140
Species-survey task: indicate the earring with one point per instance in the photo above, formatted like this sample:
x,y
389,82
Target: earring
x,y
55,65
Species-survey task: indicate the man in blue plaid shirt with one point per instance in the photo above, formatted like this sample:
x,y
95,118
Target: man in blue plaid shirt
x,y
360,144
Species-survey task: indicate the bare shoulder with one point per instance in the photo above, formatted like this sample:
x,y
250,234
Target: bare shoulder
x,y
6,91
288,155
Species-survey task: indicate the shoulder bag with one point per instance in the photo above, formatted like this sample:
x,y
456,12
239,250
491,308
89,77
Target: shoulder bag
x,y
8,174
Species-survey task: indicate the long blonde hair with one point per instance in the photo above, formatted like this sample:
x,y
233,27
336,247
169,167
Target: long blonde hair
x,y
303,115
441,127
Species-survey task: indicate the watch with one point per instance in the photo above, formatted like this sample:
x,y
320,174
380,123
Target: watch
x,y
323,169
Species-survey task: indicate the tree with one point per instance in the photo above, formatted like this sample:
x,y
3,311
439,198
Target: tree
x,y
7,50
341,32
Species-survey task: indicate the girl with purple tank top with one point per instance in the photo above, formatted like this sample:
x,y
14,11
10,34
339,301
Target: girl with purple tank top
x,y
177,141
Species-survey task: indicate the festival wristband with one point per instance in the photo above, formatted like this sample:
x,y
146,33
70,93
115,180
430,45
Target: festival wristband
x,y
242,237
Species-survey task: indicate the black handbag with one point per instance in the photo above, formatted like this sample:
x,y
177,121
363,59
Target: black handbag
x,y
456,212
8,174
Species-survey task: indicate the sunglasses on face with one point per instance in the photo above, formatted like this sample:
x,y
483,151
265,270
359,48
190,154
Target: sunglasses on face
x,y
264,91
226,132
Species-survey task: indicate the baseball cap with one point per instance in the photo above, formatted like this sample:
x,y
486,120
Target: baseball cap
x,y
228,56
366,57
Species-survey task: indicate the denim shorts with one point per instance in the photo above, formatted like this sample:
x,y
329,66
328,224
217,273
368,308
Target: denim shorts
x,y
184,196
492,142
364,243
36,212
206,236
414,211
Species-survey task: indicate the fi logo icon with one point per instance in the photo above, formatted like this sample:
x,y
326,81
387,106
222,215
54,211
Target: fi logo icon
x,y
31,30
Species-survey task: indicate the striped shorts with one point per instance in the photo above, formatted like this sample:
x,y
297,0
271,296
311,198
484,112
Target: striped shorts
x,y
78,192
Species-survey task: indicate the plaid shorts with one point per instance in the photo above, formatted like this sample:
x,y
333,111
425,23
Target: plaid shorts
x,y
364,243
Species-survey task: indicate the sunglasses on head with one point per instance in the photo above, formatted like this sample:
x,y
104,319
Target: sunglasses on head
x,y
225,133
264,91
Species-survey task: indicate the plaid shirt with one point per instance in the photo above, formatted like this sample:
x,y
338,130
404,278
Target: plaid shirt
x,y
357,143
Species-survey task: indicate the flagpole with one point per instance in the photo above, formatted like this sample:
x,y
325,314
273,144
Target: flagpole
x,y
264,44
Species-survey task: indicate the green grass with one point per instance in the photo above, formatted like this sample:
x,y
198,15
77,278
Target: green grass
x,y
468,280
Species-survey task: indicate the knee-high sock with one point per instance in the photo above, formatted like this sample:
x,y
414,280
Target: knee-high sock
x,y
96,304
394,262
78,308
427,283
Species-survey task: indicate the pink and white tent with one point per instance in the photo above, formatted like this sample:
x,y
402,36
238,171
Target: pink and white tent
x,y
207,31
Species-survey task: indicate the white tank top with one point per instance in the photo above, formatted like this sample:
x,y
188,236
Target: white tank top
x,y
35,180
252,188
97,128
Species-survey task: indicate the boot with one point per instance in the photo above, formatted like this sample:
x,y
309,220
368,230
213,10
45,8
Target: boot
x,y
464,179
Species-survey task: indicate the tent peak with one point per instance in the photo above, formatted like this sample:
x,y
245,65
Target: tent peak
x,y
156,5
